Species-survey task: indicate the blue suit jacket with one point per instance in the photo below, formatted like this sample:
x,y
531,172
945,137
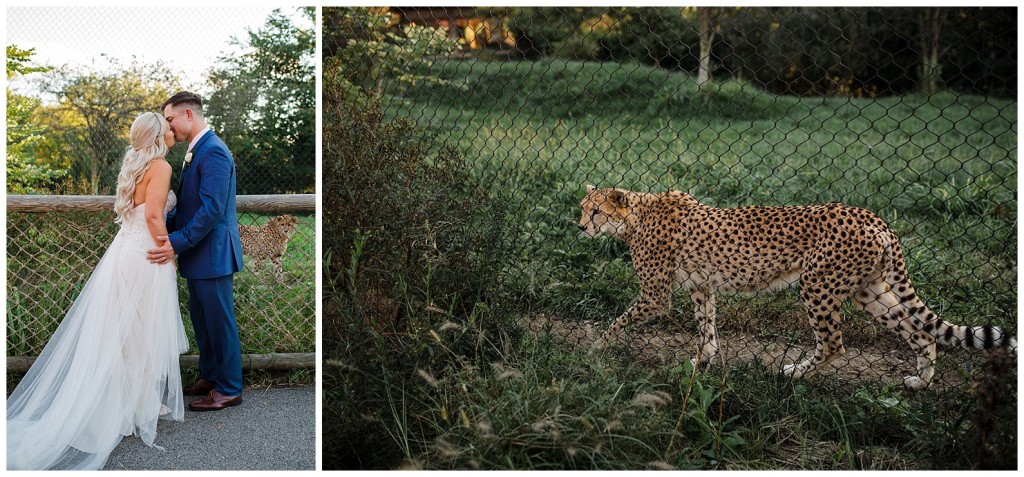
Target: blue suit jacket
x,y
204,225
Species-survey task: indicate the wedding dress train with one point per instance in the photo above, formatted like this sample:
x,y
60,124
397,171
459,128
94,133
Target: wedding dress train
x,y
111,368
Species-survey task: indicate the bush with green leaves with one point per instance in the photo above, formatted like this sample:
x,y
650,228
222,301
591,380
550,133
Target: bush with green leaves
x,y
412,245
364,48
24,175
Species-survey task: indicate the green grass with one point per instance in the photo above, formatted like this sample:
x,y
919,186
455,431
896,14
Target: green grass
x,y
278,311
49,258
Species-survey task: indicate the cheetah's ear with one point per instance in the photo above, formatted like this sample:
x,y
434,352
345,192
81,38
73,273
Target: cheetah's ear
x,y
590,188
618,198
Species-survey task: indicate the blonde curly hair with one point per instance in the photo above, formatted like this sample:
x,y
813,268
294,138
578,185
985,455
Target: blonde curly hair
x,y
147,143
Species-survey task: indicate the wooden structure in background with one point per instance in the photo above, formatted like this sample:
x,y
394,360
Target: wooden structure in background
x,y
464,24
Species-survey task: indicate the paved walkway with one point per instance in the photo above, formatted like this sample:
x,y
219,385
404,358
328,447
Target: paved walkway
x,y
273,429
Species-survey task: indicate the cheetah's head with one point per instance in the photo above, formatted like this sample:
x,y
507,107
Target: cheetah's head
x,y
604,212
285,223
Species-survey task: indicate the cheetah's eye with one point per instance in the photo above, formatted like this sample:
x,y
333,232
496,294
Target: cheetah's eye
x,y
594,213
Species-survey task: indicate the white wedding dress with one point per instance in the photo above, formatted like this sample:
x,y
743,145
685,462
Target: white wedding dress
x,y
111,368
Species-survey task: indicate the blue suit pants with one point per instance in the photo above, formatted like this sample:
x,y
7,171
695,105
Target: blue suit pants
x,y
211,305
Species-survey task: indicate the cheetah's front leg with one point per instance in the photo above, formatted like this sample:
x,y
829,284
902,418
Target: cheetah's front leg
x,y
704,310
644,308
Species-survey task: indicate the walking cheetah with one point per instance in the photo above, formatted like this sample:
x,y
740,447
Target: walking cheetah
x,y
835,252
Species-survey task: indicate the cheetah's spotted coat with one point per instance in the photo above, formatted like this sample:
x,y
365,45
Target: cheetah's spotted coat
x,y
268,241
835,252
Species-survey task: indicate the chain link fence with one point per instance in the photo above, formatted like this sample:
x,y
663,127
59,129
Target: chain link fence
x,y
910,113
51,254
67,129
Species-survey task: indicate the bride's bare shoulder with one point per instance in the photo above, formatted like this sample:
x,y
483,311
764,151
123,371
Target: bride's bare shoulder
x,y
159,165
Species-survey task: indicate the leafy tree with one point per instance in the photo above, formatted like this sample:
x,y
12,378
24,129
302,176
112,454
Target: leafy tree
x,y
24,175
664,37
366,48
264,106
97,107
550,31
18,62
789,50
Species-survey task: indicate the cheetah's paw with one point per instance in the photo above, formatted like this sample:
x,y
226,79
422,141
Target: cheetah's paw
x,y
914,382
794,371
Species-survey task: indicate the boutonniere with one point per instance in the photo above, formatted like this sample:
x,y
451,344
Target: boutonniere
x,y
188,159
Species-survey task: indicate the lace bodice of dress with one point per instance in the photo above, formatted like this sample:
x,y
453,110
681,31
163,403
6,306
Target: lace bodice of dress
x,y
172,202
134,227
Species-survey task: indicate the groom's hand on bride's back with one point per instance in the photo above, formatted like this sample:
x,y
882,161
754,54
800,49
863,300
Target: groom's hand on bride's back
x,y
163,253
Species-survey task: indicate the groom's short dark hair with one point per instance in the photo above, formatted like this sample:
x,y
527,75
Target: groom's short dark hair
x,y
187,98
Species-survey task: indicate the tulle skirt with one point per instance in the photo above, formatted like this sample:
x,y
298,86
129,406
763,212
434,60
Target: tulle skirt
x,y
110,370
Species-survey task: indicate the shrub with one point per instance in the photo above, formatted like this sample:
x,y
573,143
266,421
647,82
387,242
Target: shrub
x,y
411,246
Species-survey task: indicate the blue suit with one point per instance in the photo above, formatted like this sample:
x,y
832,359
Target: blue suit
x,y
204,233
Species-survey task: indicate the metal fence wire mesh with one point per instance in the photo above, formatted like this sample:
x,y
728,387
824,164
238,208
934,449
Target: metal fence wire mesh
x,y
51,255
799,106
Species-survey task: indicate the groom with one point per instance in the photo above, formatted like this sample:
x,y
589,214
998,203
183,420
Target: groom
x,y
203,233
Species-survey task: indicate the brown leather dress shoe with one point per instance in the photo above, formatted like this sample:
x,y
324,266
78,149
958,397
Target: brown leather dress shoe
x,y
214,401
201,387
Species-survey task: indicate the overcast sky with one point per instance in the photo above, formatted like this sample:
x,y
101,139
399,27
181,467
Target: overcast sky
x,y
82,35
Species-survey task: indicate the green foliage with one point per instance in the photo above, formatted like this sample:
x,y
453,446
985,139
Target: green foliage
x,y
364,49
552,30
24,174
535,404
412,246
24,177
263,105
664,37
94,111
540,405
18,62
537,409
792,50
408,239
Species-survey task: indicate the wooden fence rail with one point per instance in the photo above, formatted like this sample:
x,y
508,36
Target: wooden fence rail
x,y
269,362
99,203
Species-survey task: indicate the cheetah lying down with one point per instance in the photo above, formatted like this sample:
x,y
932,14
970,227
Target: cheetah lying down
x,y
268,241
835,252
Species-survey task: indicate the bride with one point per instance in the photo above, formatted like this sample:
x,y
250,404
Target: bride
x,y
111,368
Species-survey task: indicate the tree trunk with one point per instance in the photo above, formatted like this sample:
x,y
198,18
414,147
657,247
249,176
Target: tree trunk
x,y
931,28
707,37
94,177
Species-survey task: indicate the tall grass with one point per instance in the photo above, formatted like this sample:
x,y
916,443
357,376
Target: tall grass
x,y
411,249
539,406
